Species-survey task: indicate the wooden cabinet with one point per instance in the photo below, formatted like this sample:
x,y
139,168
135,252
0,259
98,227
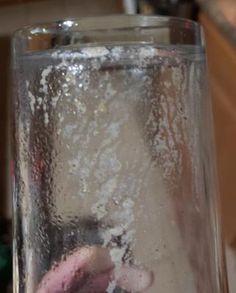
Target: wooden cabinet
x,y
222,71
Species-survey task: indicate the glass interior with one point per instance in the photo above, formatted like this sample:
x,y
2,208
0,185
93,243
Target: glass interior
x,y
114,185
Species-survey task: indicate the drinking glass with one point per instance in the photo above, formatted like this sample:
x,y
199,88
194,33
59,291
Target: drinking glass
x,y
114,179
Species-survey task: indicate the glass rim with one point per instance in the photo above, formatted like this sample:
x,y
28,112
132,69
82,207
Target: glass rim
x,y
114,22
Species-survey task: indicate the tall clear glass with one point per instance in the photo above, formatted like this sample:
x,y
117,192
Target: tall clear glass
x,y
114,169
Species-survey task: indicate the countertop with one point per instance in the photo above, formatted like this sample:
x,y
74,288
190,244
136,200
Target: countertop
x,y
223,13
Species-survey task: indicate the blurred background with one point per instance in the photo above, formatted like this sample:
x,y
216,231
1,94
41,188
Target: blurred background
x,y
218,18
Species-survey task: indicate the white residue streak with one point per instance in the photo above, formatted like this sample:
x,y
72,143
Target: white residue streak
x,y
43,80
117,254
123,215
46,116
170,133
106,192
128,204
123,218
90,52
116,52
108,233
32,102
111,287
31,97
39,100
146,52
94,52
46,119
